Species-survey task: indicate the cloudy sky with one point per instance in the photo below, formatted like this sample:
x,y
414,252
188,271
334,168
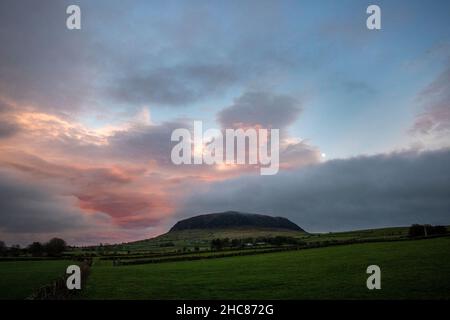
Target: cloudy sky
x,y
86,115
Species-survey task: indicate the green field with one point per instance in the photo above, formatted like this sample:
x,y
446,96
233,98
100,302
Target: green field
x,y
20,278
411,269
416,269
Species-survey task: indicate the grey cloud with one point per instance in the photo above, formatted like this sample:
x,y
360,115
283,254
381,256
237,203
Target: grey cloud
x,y
8,129
364,192
31,208
8,126
144,143
175,86
173,63
263,108
296,155
41,62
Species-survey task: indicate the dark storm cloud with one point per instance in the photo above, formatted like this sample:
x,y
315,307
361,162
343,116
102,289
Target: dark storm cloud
x,y
261,108
30,208
175,86
364,192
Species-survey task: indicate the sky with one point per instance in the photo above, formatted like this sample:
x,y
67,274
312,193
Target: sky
x,y
86,115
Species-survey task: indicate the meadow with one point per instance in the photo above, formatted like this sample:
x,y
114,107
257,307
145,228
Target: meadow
x,y
20,278
416,269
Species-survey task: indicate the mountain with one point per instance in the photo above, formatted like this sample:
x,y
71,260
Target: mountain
x,y
233,220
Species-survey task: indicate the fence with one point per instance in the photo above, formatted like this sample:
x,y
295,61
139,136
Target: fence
x,y
57,289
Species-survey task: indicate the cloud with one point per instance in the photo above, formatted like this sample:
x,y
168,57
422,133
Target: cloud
x,y
144,142
269,110
110,189
363,192
260,108
435,118
41,62
295,155
176,85
128,209
27,207
7,129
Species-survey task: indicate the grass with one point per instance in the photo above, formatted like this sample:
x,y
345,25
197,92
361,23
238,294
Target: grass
x,y
20,278
410,270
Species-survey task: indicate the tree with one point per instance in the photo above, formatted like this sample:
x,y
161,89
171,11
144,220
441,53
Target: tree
x,y
417,230
55,247
15,250
438,230
3,248
219,244
216,244
236,243
36,249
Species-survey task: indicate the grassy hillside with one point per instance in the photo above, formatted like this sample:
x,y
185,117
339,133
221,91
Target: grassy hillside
x,y
202,238
416,269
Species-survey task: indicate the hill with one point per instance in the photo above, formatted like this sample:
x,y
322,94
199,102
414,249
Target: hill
x,y
234,219
198,231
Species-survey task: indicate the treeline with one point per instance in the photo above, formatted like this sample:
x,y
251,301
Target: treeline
x,y
424,230
53,248
219,244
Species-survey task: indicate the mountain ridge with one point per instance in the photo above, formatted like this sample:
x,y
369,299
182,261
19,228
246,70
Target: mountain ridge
x,y
234,219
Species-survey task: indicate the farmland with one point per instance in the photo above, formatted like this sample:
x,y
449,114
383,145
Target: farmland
x,y
416,269
190,239
318,266
20,278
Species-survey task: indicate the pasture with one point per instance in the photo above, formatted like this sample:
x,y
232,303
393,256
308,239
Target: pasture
x,y
20,278
416,269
